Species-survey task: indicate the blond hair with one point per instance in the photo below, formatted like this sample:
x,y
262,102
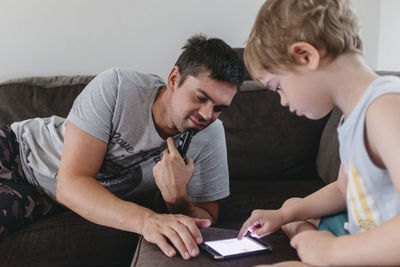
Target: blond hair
x,y
328,24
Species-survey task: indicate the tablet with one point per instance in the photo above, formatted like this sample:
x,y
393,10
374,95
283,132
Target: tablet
x,y
233,247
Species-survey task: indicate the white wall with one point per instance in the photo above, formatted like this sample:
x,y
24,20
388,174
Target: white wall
x,y
369,13
389,39
50,37
55,37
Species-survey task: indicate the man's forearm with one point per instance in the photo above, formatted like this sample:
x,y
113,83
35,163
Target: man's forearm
x,y
184,206
88,198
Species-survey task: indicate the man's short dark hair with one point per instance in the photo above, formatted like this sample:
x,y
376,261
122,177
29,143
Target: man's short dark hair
x,y
201,54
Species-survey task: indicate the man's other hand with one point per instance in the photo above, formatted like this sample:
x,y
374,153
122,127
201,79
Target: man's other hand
x,y
172,174
181,230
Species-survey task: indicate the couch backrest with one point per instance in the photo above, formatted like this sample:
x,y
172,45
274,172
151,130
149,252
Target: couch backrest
x,y
267,141
264,140
39,97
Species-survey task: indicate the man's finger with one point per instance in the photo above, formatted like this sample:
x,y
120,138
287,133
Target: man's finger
x,y
189,161
171,146
188,237
165,153
165,247
193,226
202,223
177,241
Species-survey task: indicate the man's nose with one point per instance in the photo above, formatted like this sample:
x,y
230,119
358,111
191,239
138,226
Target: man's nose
x,y
206,111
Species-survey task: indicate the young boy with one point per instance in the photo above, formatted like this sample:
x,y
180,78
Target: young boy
x,y
310,53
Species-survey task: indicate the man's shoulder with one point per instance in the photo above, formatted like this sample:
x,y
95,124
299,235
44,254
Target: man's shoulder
x,y
136,77
215,127
214,132
128,77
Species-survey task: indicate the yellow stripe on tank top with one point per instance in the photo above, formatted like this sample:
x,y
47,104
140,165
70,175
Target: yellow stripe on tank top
x,y
354,203
361,194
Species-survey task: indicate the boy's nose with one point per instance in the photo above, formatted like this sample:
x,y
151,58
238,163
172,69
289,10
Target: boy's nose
x,y
284,101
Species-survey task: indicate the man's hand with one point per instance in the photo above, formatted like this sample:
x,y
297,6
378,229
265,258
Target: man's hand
x,y
172,174
262,222
181,230
314,247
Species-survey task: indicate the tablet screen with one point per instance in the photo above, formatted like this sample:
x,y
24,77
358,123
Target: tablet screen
x,y
233,246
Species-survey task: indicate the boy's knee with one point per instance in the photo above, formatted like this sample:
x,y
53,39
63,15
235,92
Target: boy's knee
x,y
291,201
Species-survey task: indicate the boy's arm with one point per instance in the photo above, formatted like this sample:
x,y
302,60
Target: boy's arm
x,y
77,189
378,246
328,200
383,134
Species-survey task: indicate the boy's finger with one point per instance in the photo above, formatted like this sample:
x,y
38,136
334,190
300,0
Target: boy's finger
x,y
260,232
244,229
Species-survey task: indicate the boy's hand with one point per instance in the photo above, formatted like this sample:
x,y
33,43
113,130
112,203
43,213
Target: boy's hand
x,y
262,222
314,247
181,230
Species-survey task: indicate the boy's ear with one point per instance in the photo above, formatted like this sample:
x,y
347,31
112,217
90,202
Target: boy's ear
x,y
305,54
174,78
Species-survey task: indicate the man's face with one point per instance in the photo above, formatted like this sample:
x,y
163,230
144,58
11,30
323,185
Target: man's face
x,y
199,101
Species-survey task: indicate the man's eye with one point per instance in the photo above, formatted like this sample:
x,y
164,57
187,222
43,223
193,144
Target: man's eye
x,y
201,99
219,109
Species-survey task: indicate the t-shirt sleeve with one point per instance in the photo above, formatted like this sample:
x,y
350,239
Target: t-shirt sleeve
x,y
93,109
210,181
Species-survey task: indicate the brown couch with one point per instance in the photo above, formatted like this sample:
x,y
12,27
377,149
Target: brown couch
x,y
272,154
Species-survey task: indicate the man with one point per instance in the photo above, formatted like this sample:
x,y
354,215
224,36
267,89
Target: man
x,y
108,149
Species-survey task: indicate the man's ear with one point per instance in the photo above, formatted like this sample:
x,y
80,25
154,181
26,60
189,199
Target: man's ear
x,y
306,55
174,78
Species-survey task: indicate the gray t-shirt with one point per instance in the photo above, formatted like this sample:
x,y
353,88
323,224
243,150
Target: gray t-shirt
x,y
371,196
115,107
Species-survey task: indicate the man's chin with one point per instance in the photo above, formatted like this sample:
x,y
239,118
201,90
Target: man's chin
x,y
192,127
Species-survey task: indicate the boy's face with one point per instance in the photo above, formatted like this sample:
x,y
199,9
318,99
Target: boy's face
x,y
299,89
199,101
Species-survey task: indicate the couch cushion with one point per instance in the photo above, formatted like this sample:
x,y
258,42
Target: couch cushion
x,y
149,255
66,239
266,141
39,97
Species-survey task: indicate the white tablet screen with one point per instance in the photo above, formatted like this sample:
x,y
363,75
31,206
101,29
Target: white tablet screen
x,y
234,246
